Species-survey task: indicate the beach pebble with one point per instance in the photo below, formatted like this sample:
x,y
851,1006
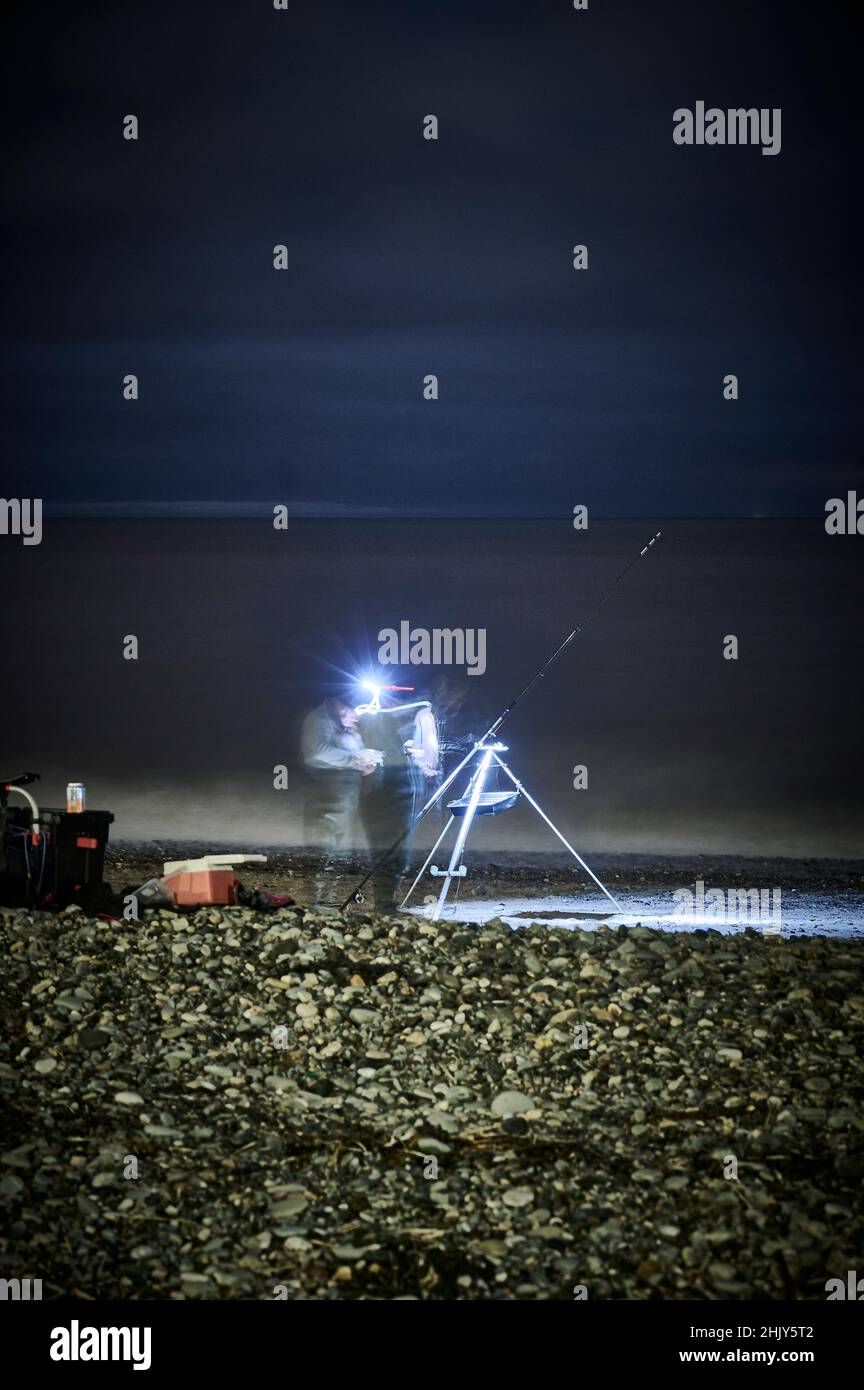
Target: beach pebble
x,y
518,1197
511,1103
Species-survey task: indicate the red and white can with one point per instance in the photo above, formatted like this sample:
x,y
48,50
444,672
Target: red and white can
x,y
76,796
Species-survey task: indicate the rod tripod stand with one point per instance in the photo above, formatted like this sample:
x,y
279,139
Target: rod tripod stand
x,y
470,805
477,801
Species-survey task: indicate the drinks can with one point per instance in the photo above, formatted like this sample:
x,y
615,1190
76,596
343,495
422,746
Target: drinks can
x,y
76,795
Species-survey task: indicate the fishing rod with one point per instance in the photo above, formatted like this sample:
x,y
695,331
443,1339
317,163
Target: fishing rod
x,y
497,725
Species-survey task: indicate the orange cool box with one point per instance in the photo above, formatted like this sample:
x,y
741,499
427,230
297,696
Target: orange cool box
x,y
197,882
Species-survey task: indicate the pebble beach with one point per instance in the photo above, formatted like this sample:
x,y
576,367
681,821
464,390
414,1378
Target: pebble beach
x,y
305,1104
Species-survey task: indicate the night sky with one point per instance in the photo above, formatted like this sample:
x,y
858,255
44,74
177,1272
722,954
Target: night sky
x,y
409,257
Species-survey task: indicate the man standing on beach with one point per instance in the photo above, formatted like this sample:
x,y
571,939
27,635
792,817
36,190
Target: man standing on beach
x,y
336,760
397,789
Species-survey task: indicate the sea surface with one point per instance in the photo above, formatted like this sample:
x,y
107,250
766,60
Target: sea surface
x,y
238,626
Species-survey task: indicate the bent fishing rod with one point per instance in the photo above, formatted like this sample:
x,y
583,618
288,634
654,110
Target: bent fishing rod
x,y
496,726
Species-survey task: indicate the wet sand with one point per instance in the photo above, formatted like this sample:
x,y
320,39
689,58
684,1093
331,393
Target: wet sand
x,y
814,897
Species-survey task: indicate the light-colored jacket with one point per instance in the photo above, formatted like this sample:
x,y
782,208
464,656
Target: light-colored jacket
x,y
326,743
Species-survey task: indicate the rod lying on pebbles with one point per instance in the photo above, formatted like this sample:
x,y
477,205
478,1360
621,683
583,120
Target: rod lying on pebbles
x,y
307,1105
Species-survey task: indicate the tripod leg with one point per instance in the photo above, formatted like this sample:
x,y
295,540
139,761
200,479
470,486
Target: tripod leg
x,y
539,809
428,862
455,858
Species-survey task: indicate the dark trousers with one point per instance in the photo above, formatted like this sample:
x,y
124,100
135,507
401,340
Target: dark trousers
x,y
391,796
332,796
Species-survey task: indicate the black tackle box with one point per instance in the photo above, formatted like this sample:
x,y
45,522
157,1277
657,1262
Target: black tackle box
x,y
68,865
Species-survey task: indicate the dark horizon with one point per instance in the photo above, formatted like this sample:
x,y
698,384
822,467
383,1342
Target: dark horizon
x,y
260,511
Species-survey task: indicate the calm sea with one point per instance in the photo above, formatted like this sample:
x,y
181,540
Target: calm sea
x,y
237,624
